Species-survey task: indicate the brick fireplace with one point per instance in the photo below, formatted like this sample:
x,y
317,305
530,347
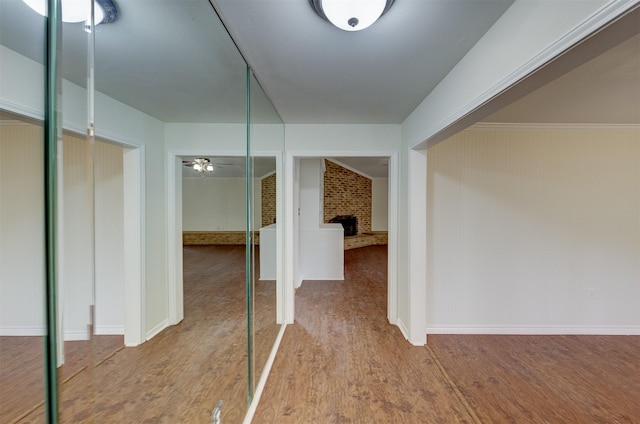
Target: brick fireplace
x,y
349,223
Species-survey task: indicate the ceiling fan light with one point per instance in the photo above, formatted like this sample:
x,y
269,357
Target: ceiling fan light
x,y
197,167
208,167
352,15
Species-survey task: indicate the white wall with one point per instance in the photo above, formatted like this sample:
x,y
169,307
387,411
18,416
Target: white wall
x,y
218,204
528,36
534,230
310,194
109,217
321,254
379,204
213,204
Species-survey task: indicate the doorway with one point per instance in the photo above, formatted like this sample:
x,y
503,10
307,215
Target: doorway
x,y
292,219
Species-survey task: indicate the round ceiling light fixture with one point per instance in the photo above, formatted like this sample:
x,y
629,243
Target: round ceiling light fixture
x,y
80,10
351,15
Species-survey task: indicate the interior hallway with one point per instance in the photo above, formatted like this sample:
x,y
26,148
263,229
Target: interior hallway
x,y
342,362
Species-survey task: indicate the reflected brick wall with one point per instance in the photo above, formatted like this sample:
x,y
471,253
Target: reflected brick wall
x,y
347,193
269,200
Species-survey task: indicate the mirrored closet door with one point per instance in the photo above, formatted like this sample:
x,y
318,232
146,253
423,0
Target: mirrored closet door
x,y
139,336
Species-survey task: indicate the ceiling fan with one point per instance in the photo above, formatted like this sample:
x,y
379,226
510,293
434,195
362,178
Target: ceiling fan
x,y
203,165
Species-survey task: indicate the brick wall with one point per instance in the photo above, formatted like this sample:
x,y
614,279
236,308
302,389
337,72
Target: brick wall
x,y
347,193
269,200
203,238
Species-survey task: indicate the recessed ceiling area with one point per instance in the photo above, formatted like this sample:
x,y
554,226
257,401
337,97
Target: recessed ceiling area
x,y
606,90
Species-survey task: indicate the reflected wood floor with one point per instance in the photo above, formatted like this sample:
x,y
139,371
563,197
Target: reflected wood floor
x,y
179,375
342,362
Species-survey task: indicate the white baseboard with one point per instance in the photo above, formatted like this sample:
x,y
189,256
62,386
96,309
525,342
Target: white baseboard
x,y
403,329
157,329
23,331
109,330
323,278
538,330
74,336
263,377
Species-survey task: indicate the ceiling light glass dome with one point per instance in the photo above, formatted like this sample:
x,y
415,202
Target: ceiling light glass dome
x,y
351,15
79,10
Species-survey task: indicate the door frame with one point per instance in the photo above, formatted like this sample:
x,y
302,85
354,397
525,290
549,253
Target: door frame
x,y
291,232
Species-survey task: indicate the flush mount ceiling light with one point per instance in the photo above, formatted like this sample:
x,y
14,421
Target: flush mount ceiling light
x,y
351,15
80,10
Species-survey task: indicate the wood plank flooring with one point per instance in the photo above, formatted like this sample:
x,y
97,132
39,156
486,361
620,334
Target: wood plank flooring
x,y
341,362
21,376
179,375
545,379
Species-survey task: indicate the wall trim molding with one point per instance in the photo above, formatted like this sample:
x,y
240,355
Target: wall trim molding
x,y
263,377
497,126
22,331
109,330
403,329
538,330
157,329
21,110
293,281
73,336
15,123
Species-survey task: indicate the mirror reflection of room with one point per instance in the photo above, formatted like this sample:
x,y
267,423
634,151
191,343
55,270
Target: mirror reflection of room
x,y
114,286
214,256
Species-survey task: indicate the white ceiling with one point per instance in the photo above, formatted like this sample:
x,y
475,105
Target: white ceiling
x,y
174,60
171,59
316,73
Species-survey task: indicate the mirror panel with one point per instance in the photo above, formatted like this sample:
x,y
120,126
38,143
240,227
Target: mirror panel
x,y
153,95
22,273
165,96
75,224
23,329
266,147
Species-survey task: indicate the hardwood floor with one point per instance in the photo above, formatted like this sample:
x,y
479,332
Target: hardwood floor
x,y
179,375
538,379
341,362
21,376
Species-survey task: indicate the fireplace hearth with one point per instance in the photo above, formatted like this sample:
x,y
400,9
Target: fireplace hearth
x,y
349,223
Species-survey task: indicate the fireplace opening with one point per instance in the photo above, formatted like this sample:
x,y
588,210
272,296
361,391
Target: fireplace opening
x,y
349,223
